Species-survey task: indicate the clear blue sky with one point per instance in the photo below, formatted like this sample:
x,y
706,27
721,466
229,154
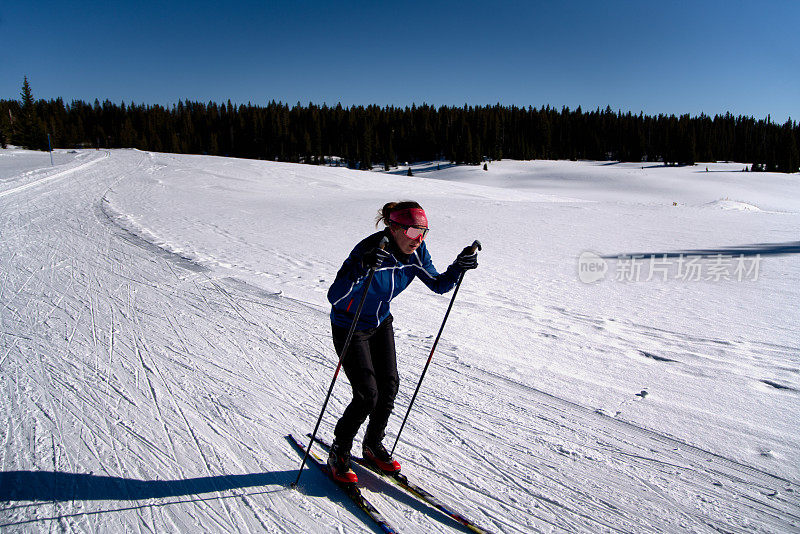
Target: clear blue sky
x,y
656,57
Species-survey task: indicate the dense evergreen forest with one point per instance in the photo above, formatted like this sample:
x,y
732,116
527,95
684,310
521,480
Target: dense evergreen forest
x,y
362,136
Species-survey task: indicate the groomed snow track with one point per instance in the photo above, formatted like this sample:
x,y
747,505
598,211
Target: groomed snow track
x,y
142,393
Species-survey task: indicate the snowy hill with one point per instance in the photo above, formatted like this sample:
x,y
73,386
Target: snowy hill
x,y
164,327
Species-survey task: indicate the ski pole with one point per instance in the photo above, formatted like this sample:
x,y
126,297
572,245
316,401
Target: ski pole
x,y
371,274
476,246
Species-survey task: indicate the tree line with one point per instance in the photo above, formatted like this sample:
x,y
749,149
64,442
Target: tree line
x,y
362,136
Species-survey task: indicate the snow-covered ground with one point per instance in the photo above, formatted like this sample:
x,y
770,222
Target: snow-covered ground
x,y
164,327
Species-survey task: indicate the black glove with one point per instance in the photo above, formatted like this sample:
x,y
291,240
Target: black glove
x,y
373,259
467,259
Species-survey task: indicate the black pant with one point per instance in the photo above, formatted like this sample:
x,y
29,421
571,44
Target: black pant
x,y
371,367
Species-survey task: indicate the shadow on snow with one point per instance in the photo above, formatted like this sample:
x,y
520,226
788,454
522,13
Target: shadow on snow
x,y
60,486
762,249
57,486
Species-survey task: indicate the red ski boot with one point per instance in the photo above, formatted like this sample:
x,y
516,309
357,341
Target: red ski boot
x,y
339,464
376,454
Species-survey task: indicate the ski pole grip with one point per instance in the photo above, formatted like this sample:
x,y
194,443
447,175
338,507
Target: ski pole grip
x,y
476,246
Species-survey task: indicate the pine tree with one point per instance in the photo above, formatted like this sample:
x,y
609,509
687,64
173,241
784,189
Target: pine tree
x,y
366,149
28,131
391,159
4,128
791,154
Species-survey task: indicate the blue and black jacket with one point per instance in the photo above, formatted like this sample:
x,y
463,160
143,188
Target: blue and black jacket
x,y
391,278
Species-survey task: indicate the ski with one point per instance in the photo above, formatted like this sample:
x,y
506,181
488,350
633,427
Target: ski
x,y
351,490
402,481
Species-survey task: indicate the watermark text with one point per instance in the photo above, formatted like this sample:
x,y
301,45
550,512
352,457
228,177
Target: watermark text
x,y
665,267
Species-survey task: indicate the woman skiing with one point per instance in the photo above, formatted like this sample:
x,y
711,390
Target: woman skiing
x,y
370,363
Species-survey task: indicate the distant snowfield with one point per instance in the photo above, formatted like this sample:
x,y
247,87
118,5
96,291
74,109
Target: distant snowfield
x,y
164,326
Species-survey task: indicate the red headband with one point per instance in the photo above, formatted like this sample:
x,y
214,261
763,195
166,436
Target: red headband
x,y
410,217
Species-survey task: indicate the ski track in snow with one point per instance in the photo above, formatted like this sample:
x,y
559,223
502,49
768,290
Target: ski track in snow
x,y
144,391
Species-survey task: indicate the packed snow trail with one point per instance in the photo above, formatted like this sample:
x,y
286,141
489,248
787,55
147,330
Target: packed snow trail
x,y
145,391
121,363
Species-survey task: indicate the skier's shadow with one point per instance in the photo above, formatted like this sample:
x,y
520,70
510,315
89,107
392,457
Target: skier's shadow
x,y
56,486
39,487
59,486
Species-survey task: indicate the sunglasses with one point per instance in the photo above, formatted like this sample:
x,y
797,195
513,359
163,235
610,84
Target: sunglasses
x,y
413,232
